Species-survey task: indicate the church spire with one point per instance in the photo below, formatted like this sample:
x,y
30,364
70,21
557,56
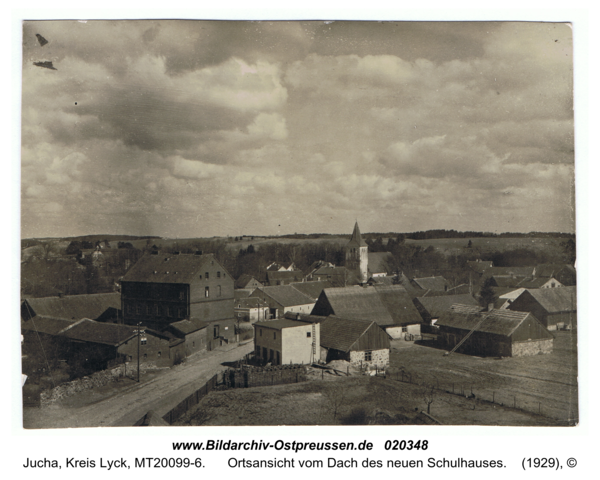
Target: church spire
x,y
356,240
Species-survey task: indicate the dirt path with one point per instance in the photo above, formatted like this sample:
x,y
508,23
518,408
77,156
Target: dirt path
x,y
130,404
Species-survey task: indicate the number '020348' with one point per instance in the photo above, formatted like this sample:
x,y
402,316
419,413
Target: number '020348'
x,y
406,445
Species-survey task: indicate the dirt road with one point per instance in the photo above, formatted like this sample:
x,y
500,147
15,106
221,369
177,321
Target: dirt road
x,y
129,404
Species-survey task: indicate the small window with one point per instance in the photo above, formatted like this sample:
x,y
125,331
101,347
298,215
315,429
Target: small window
x,y
206,292
218,290
193,344
182,295
218,274
307,334
368,356
158,354
145,356
206,275
143,341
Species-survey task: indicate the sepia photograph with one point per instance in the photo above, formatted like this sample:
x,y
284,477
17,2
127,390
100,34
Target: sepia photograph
x,y
300,223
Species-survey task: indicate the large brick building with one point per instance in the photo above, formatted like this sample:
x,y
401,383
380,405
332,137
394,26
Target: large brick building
x,y
161,289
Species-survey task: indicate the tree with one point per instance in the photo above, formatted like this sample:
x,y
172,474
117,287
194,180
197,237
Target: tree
x,y
487,292
429,398
470,244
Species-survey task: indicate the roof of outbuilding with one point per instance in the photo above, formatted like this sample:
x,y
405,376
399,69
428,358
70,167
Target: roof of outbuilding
x,y
75,307
399,304
182,268
185,327
244,280
44,324
284,275
515,271
552,269
312,289
436,306
280,324
340,333
479,266
285,295
555,300
303,317
113,334
432,283
498,322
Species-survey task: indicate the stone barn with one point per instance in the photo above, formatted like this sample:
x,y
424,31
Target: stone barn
x,y
495,333
360,342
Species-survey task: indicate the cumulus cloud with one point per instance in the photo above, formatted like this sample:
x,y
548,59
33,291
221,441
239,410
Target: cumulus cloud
x,y
185,128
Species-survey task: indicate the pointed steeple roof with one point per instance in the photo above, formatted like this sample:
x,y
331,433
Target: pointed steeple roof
x,y
356,240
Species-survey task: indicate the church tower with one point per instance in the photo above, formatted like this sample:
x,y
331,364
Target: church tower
x,y
357,255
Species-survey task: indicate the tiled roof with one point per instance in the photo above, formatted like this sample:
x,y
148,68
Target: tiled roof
x,y
432,283
555,300
498,322
244,280
552,269
311,289
280,324
399,304
284,276
182,268
436,306
285,295
75,307
185,327
340,334
43,324
87,330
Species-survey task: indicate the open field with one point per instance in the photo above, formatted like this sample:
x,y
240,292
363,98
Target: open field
x,y
349,401
541,383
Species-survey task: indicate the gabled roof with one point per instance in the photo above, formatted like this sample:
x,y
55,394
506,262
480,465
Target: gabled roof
x,y
285,295
312,289
340,334
182,268
432,283
250,302
515,271
303,317
185,327
327,270
356,240
280,324
75,307
399,304
554,300
354,303
43,324
498,322
244,280
552,269
113,334
539,282
437,306
284,276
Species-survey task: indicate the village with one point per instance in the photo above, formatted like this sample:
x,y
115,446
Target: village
x,y
439,346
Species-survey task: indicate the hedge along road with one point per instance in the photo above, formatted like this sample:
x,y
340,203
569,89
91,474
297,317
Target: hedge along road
x,y
160,394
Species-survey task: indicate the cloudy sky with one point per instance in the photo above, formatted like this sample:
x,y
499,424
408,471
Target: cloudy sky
x,y
186,129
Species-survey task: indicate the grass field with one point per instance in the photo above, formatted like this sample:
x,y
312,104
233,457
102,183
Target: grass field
x,y
538,390
541,383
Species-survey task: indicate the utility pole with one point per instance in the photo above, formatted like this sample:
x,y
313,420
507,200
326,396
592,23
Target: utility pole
x,y
139,331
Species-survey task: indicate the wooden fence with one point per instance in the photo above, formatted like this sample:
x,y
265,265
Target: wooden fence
x,y
194,399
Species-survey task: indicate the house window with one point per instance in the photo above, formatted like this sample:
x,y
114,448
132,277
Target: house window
x,y
169,311
218,290
307,334
193,344
157,310
206,292
158,354
368,356
404,329
143,340
206,275
182,295
145,356
129,308
218,274
216,331
138,309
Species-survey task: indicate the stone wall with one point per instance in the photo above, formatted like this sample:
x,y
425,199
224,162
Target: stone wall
x,y
381,358
98,379
535,347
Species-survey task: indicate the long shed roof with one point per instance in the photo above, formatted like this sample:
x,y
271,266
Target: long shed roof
x,y
75,307
340,333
